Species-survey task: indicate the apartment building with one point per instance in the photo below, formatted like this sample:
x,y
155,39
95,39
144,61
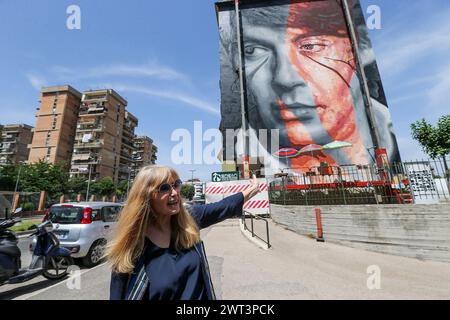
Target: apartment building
x,y
127,148
154,156
56,121
98,138
15,140
142,155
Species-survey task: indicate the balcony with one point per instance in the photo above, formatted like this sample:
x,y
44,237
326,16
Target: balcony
x,y
97,127
81,156
126,157
87,121
92,111
129,133
90,99
93,144
128,144
5,152
7,148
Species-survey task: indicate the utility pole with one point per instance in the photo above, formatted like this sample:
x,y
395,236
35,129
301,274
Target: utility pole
x,y
17,184
245,157
365,86
128,183
89,182
18,177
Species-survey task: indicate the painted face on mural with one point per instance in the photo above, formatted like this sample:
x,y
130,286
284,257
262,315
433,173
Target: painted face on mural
x,y
299,75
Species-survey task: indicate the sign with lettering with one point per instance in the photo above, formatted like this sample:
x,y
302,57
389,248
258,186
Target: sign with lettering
x,y
225,176
422,183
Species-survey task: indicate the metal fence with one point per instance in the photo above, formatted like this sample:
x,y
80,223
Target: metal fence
x,y
256,232
28,201
424,181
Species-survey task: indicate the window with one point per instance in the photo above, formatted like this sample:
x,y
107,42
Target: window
x,y
65,215
110,214
96,215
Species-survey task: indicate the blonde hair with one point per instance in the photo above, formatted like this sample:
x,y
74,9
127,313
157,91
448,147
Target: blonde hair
x,y
129,238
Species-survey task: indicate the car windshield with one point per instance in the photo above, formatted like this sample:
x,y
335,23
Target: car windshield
x,y
66,215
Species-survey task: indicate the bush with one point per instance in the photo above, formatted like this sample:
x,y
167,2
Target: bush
x,y
28,206
187,191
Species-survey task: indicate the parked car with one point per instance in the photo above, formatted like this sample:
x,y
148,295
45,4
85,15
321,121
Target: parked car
x,y
83,227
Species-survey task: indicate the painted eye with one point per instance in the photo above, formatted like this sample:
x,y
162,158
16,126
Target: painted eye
x,y
312,46
249,50
254,52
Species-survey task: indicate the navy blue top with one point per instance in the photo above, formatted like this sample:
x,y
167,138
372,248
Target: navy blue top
x,y
180,275
173,275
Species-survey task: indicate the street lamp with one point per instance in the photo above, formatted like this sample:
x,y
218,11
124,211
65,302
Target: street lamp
x,y
18,176
89,182
128,182
17,183
192,179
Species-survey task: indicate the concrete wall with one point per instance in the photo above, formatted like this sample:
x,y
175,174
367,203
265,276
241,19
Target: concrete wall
x,y
417,231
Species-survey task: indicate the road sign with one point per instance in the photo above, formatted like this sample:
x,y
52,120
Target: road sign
x,y
225,176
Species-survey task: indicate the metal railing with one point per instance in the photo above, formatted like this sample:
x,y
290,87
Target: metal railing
x,y
399,183
252,229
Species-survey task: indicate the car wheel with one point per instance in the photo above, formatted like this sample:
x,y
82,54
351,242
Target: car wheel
x,y
95,254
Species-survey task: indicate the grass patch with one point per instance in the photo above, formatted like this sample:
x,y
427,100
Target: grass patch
x,y
25,225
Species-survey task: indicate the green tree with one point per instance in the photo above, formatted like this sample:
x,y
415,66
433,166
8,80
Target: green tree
x,y
122,188
8,177
187,191
435,141
104,187
77,185
42,175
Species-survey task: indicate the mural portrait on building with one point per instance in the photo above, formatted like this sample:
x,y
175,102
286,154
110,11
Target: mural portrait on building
x,y
301,78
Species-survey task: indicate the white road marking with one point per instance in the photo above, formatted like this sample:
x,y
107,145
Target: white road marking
x,y
35,293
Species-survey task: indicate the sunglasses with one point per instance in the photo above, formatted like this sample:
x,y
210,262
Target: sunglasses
x,y
167,187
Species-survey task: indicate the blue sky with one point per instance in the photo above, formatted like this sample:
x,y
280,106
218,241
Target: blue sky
x,y
163,57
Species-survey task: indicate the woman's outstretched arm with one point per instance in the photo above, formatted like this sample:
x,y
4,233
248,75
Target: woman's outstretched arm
x,y
209,214
253,190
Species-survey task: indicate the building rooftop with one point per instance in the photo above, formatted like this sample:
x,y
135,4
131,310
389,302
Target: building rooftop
x,y
109,91
63,88
18,125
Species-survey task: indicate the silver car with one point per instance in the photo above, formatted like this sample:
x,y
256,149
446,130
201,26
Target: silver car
x,y
84,227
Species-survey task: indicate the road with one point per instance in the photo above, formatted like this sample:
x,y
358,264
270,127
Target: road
x,y
92,281
296,267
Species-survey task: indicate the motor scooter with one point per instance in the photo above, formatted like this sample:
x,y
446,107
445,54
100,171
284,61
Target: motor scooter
x,y
48,258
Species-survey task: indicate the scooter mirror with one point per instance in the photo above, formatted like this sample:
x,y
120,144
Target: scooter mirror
x,y
18,210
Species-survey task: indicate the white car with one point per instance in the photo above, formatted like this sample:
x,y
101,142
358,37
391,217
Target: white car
x,y
83,227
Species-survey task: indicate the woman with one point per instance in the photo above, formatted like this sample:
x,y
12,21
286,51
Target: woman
x,y
157,252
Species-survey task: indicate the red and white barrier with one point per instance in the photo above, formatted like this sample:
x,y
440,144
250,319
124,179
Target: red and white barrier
x,y
259,204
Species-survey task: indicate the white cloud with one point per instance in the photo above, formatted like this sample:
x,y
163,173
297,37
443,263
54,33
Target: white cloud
x,y
439,92
149,70
173,95
404,53
403,46
409,97
36,81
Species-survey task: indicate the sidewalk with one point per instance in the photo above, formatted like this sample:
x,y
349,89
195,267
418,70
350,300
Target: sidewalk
x,y
297,267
